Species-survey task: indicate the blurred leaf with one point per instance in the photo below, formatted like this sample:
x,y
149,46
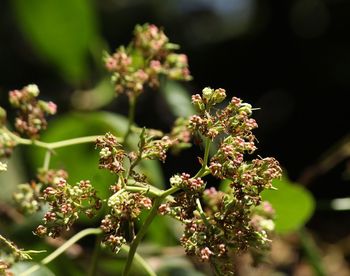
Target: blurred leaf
x,y
175,265
95,98
116,267
62,31
13,176
178,98
294,205
19,267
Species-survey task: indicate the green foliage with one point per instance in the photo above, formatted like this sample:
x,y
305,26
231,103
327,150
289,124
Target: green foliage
x,y
58,34
177,97
83,165
294,205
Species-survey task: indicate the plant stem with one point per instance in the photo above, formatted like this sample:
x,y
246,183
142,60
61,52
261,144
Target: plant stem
x,y
62,248
203,169
9,244
94,259
53,145
47,159
158,201
140,235
201,213
311,252
131,117
138,259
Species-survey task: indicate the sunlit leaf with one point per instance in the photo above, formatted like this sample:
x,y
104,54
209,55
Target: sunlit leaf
x,y
294,205
61,31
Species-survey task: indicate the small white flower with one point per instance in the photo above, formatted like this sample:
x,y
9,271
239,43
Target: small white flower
x,y
175,180
33,89
105,152
3,167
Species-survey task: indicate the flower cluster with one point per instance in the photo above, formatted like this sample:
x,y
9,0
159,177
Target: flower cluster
x,y
28,196
186,183
148,55
233,120
232,222
125,207
30,119
111,153
66,203
227,227
152,148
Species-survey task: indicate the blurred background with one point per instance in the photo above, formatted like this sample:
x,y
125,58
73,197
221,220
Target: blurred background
x,y
289,58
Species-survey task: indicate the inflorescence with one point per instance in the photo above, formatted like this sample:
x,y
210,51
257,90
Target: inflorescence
x,y
218,224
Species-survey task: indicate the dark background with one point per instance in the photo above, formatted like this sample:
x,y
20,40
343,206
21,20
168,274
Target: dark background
x,y
289,58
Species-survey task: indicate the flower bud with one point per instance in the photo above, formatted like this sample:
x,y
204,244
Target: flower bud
x,y
32,90
207,93
219,95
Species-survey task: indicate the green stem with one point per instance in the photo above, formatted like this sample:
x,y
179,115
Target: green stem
x,y
47,159
95,254
62,248
131,117
201,213
151,215
140,235
311,252
53,145
9,244
140,261
204,167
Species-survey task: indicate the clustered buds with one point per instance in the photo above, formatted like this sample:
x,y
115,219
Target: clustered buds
x,y
147,56
232,120
7,144
30,118
28,196
152,148
124,207
66,203
185,182
31,112
111,153
232,222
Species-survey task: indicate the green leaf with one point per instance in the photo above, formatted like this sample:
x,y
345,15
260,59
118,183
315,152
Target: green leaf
x,y
81,161
62,31
178,98
294,205
99,96
20,267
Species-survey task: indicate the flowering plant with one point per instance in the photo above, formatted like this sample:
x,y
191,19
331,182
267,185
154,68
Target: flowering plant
x,y
217,224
